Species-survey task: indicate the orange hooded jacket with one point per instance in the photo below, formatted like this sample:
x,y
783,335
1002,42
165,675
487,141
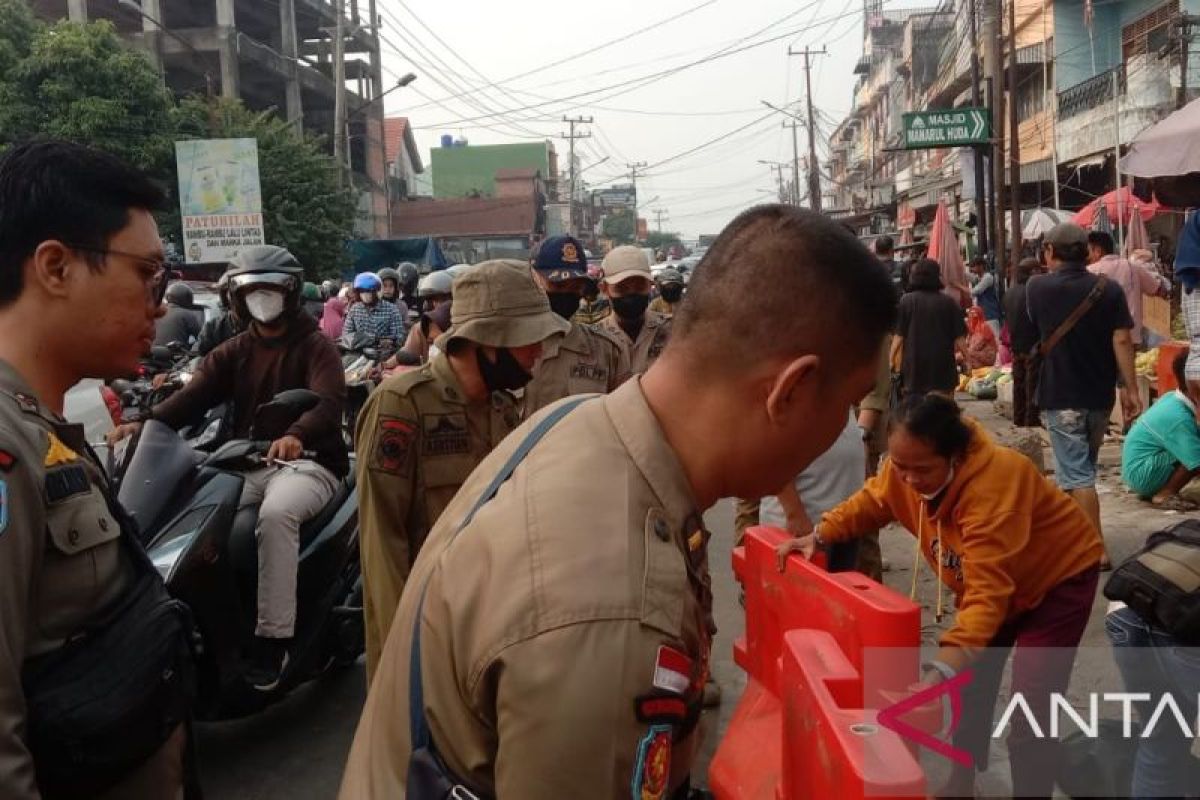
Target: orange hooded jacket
x,y
1006,536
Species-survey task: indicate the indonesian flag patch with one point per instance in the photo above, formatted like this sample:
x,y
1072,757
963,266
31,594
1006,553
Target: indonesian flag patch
x,y
672,670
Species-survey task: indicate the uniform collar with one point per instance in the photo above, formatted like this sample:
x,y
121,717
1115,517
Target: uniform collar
x,y
14,384
643,438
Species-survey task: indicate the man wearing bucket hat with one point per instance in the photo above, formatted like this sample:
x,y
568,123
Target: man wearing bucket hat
x,y
584,360
627,283
422,432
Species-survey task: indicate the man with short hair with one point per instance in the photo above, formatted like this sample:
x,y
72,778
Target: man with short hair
x,y
1078,375
985,294
565,626
585,359
183,321
1136,278
81,285
422,432
885,250
669,283
626,284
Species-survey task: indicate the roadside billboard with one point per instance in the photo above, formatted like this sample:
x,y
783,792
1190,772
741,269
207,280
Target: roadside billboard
x,y
220,198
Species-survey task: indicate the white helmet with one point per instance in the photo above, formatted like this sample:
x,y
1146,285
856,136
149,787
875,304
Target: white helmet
x,y
435,283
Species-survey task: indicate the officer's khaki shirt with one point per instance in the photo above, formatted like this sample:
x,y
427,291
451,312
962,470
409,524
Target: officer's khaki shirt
x,y
60,560
575,602
660,306
651,340
418,438
584,360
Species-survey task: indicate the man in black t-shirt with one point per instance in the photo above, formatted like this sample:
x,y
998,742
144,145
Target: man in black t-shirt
x,y
1075,386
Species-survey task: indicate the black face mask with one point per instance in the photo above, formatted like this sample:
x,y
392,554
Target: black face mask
x,y
503,374
631,306
672,294
564,304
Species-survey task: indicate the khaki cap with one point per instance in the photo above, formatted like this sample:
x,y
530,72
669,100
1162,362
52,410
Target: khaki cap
x,y
497,304
624,262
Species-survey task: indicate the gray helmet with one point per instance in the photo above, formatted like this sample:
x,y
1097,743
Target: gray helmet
x,y
409,274
265,265
389,274
180,294
436,283
669,275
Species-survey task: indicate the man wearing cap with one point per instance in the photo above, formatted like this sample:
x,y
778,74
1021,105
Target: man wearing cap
x,y
584,360
565,626
421,433
1086,355
670,292
626,283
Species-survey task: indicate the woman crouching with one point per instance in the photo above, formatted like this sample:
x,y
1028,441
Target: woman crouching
x,y
1020,556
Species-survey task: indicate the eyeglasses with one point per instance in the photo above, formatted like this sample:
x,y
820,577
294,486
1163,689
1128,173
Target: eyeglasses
x,y
154,272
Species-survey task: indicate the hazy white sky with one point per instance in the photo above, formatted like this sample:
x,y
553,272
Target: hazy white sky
x,y
493,78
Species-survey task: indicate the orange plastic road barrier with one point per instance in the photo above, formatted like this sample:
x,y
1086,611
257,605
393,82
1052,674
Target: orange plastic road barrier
x,y
800,729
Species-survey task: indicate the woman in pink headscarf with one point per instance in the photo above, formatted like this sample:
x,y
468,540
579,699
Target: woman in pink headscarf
x,y
334,317
981,341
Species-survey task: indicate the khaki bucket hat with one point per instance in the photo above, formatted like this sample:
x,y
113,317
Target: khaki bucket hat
x,y
497,304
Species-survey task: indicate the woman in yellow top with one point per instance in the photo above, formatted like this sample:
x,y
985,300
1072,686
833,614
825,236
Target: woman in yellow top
x,y
1020,556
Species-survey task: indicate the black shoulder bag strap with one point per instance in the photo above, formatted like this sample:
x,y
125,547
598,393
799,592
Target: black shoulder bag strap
x,y
1067,324
418,725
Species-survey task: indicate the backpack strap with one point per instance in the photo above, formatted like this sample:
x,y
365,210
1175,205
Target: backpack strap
x,y
418,725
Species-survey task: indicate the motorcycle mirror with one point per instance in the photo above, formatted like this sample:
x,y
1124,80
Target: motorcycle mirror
x,y
272,419
160,353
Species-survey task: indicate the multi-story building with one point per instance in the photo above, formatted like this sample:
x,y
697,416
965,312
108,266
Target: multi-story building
x,y
273,55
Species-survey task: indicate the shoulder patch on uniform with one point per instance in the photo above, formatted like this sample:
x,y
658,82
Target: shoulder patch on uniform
x,y
652,768
7,461
660,709
393,438
672,670
445,434
3,506
66,481
58,453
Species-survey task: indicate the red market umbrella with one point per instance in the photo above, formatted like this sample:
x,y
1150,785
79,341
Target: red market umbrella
x,y
943,248
1127,202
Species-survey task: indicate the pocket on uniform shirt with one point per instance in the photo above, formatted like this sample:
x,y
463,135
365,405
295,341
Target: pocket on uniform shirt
x,y
82,560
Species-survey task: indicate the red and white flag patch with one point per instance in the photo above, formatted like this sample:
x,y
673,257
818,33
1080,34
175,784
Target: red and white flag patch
x,y
672,670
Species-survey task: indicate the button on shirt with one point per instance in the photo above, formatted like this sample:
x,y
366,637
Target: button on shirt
x,y
381,320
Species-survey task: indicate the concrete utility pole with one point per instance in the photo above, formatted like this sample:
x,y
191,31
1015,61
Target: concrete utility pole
x,y
983,222
659,214
995,78
814,175
1014,139
633,176
339,89
572,136
1184,23
795,162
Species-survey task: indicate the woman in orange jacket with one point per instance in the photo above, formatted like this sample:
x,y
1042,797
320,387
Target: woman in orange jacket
x,y
1020,556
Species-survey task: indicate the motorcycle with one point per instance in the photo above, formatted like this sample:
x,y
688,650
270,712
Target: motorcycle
x,y
139,395
186,504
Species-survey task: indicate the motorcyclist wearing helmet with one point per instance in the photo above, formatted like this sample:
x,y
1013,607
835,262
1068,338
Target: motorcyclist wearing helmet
x,y
410,277
585,359
379,320
669,283
222,327
314,303
282,349
433,293
183,321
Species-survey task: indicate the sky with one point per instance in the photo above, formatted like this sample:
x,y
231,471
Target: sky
x,y
509,71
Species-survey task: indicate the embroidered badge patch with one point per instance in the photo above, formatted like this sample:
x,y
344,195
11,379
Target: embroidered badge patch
x,y
66,481
672,670
3,506
589,372
445,435
657,709
7,461
392,441
58,453
652,769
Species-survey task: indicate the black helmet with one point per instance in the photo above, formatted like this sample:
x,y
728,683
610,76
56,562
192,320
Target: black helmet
x,y
389,274
179,294
265,266
669,275
409,277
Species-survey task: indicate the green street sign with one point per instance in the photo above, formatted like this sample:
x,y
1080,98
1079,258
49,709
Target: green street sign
x,y
951,127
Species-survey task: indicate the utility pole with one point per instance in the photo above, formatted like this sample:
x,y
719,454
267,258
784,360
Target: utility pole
x,y
983,222
572,136
658,218
795,162
1014,140
814,176
1184,23
633,176
992,25
339,90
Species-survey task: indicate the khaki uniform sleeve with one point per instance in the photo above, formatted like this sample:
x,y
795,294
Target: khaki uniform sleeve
x,y
21,541
387,439
877,398
576,732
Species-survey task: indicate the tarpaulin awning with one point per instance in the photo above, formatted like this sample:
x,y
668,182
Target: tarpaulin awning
x,y
1170,147
375,254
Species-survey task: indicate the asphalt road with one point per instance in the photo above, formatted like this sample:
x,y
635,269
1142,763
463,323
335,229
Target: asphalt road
x,y
296,750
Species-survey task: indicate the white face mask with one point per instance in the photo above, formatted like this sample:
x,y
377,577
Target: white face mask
x,y
264,305
433,350
368,298
942,488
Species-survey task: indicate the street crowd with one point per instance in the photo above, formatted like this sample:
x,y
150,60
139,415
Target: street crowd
x,y
532,470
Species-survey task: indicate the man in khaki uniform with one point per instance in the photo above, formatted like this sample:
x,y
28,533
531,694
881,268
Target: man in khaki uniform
x,y
62,565
626,283
584,360
565,628
670,292
422,432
